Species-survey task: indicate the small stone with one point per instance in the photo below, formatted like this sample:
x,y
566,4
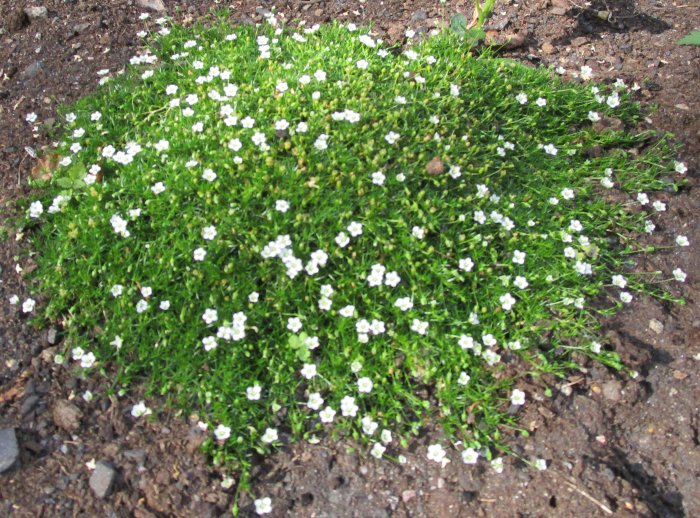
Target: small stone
x,y
679,375
32,70
419,16
408,495
435,167
9,451
151,5
66,415
138,456
36,12
656,326
28,405
52,336
548,48
559,11
612,390
102,479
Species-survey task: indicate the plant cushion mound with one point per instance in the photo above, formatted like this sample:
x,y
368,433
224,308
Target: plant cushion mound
x,y
254,220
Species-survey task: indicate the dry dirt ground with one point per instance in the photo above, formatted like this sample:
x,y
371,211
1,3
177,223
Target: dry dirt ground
x,y
615,445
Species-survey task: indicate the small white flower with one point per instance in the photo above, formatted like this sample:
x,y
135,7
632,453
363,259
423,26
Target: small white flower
x,y
567,194
140,409
418,232
521,98
269,436
550,149
438,454
377,450
327,415
209,343
28,305
158,188
87,360
294,324
659,206
520,282
348,407
682,241
315,401
141,306
222,432
282,206
463,378
253,393
497,465
466,264
209,175
626,297
619,281
392,137
419,326
355,228
470,456
593,116
507,301
466,342
209,233
586,72
36,209
365,385
519,257
541,464
309,371
680,167
404,303
517,397
347,311
378,178
199,254
541,102
362,64
679,275
210,316
164,305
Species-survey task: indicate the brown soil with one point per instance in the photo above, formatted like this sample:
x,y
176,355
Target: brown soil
x,y
614,445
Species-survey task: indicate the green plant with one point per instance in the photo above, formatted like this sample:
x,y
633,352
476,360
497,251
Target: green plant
x,y
691,39
285,229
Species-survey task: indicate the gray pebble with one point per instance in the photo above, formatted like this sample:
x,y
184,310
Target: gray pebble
x,y
9,450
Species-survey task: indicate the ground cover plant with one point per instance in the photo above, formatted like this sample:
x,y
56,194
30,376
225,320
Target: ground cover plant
x,y
299,230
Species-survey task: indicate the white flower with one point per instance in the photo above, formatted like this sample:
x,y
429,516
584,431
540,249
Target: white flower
x,y
541,464
466,264
158,188
680,167
519,257
586,72
419,326
347,311
269,436
320,75
619,281
146,291
362,64
282,205
294,324
470,456
583,268
438,454
682,241
392,137
507,301
327,290
140,409
377,450
282,87
466,342
87,360
593,116
309,371
321,142
222,432
541,102
253,393
199,254
613,100
141,306
418,232
14,300
117,342
88,396
607,183
378,178
209,233
348,408
209,343
325,304
497,465
355,228
400,99
36,209
210,316
28,305
248,122
404,303
31,118
521,98
365,385
659,206
315,401
679,275
626,297
520,282
327,415
342,240
489,340
209,175
517,397
550,149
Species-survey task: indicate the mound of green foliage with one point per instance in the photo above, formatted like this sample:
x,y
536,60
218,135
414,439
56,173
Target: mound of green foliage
x,y
300,230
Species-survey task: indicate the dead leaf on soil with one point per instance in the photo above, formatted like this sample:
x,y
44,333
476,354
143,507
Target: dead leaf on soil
x,y
44,168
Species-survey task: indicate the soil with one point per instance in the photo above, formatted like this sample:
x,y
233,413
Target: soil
x,y
614,445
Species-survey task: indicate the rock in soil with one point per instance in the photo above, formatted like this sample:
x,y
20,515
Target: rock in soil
x,y
9,451
36,12
66,415
152,5
102,479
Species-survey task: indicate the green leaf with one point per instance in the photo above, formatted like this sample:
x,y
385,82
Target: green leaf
x,y
458,23
691,39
